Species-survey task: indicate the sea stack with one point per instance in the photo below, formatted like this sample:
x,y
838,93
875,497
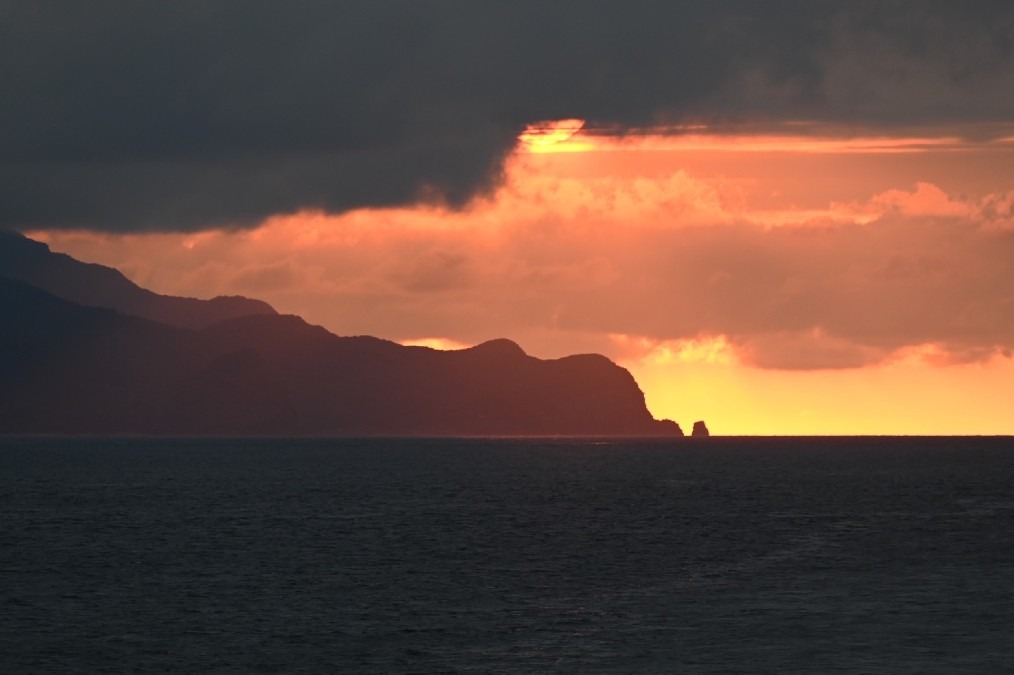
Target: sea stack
x,y
700,430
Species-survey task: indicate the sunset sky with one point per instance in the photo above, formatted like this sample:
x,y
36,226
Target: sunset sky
x,y
781,217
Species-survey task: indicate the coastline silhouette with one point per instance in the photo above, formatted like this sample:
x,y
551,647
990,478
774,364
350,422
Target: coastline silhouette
x,y
235,366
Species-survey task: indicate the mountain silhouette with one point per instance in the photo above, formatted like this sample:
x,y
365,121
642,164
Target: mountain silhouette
x,y
94,285
66,368
70,368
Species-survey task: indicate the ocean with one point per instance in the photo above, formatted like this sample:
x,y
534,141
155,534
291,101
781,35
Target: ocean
x,y
720,555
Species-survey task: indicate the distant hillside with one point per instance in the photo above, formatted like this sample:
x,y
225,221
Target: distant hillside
x,y
67,368
94,285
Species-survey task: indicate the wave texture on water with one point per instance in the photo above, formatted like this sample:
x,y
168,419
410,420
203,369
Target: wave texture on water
x,y
876,555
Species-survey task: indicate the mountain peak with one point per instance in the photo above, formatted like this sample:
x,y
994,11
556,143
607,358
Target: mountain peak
x,y
498,346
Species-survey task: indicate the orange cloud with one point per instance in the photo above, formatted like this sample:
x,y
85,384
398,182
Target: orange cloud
x,y
741,271
926,200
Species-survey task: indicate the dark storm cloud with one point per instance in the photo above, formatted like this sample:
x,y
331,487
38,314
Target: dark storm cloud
x,y
183,115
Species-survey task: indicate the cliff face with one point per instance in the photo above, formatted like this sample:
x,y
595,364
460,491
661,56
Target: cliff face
x,y
67,368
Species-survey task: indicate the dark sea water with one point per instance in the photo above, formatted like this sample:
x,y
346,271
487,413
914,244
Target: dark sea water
x,y
721,555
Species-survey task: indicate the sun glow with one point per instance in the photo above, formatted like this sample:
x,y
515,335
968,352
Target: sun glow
x,y
552,136
780,143
438,343
574,135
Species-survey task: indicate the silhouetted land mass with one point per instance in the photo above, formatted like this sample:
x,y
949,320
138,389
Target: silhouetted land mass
x,y
700,430
70,368
94,285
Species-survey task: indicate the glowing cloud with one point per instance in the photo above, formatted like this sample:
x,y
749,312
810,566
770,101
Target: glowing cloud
x,y
550,136
777,278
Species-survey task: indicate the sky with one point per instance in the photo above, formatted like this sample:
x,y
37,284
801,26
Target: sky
x,y
782,217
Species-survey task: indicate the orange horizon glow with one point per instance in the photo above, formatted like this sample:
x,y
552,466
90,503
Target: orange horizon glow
x,y
777,283
738,401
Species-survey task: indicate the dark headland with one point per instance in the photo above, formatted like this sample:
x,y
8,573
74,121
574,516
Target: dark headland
x,y
83,350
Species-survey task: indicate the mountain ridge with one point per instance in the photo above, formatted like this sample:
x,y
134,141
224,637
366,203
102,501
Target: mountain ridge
x,y
70,368
94,285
